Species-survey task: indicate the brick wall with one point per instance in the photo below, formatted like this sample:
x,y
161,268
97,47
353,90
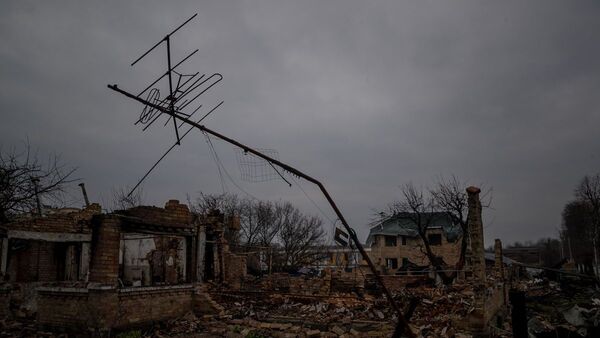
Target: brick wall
x,y
173,215
298,285
104,267
112,308
35,262
394,283
144,305
4,301
67,308
74,222
235,269
342,281
494,302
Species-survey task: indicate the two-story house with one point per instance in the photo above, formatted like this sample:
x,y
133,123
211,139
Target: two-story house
x,y
396,245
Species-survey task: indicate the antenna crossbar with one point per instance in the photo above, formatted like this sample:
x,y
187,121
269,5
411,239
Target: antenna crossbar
x,y
163,39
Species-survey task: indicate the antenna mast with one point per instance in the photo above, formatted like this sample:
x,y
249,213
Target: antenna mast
x,y
172,107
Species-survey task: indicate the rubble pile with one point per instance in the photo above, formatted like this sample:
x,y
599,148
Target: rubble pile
x,y
441,311
260,314
225,326
317,309
568,309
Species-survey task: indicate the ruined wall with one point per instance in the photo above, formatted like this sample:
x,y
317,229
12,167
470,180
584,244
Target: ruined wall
x,y
35,261
234,269
343,281
74,222
311,286
174,214
494,302
144,305
150,259
297,285
68,308
104,267
111,308
4,301
394,282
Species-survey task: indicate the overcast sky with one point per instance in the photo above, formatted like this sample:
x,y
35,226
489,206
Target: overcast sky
x,y
363,95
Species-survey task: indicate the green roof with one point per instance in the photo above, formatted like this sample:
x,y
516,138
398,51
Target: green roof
x,y
403,224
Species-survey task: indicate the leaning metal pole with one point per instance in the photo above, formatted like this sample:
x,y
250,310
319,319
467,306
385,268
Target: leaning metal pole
x,y
402,325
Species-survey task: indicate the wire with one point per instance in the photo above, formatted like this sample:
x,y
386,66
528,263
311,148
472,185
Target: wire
x,y
312,201
224,170
216,159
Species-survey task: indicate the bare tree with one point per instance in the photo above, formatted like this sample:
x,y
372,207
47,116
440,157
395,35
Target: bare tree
x,y
577,232
420,209
267,224
588,192
301,238
249,224
257,218
229,204
270,218
23,176
122,200
447,197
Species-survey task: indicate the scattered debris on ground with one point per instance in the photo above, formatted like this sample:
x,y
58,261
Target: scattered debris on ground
x,y
567,309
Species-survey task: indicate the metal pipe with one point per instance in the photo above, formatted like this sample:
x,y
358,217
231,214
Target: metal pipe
x,y
35,182
402,322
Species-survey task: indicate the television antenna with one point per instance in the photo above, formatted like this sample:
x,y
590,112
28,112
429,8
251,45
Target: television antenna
x,y
173,107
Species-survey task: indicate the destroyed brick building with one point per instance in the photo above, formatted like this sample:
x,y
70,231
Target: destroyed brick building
x,y
395,242
48,249
85,269
129,268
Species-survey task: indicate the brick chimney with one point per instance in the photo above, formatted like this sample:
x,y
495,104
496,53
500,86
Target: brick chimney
x,y
475,225
478,324
498,264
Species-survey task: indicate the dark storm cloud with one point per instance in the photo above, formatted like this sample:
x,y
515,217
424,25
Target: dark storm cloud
x,y
364,96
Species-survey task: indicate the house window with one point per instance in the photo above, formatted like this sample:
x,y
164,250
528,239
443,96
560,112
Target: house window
x,y
391,263
434,239
390,240
403,240
404,262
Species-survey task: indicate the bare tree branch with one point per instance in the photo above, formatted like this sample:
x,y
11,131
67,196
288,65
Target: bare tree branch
x,y
19,174
122,200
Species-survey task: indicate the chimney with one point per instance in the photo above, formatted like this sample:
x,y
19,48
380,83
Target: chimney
x,y
476,233
478,324
498,263
85,196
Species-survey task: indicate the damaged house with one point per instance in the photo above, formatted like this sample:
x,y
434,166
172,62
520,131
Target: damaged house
x,y
396,245
85,269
